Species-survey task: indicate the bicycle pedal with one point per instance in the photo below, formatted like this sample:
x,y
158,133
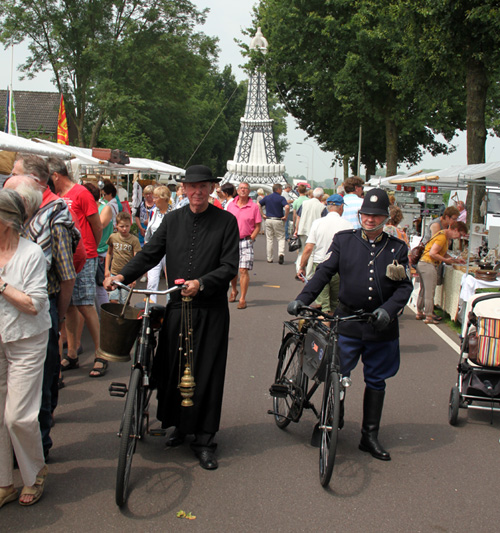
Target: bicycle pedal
x,y
278,391
157,432
118,389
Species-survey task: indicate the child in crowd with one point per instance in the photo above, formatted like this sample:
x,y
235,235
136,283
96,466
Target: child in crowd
x,y
122,246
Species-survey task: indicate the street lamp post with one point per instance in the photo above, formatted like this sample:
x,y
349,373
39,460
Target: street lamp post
x,y
312,157
307,165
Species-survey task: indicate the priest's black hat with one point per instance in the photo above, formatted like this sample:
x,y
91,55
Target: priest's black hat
x,y
197,173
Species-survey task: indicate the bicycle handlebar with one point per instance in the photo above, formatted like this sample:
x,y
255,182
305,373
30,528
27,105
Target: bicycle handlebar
x,y
149,292
318,314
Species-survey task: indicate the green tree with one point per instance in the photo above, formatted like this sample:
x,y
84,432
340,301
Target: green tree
x,y
339,64
93,47
459,42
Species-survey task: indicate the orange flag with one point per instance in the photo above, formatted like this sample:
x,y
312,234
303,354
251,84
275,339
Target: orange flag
x,y
62,124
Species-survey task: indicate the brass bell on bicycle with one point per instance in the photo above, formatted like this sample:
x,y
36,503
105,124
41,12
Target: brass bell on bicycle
x,y
186,387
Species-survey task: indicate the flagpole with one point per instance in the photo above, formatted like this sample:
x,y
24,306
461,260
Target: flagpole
x,y
11,65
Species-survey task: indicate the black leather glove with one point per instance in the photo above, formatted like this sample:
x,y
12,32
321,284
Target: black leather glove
x,y
294,307
381,320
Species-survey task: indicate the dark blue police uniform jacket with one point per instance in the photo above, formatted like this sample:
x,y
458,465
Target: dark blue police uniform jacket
x,y
363,282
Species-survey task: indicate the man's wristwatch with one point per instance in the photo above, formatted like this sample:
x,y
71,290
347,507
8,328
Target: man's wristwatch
x,y
202,287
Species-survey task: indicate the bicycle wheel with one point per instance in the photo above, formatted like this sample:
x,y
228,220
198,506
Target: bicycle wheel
x,y
289,373
329,427
131,422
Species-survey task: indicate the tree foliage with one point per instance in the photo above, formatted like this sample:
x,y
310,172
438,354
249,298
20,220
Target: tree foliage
x,y
340,64
459,42
135,74
94,48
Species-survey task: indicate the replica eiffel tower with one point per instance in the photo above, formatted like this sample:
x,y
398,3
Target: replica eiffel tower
x,y
255,160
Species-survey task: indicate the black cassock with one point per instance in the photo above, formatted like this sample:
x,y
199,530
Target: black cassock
x,y
203,245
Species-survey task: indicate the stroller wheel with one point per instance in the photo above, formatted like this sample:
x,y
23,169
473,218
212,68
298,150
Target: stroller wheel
x,y
454,406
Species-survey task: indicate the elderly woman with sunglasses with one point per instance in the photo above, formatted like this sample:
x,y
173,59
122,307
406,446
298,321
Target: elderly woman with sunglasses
x,y
24,330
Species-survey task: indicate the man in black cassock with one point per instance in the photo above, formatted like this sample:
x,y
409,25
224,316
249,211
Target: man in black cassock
x,y
201,244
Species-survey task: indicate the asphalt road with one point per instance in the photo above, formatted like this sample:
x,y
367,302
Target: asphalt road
x,y
441,478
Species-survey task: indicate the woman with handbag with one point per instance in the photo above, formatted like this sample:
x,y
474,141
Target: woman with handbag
x,y
435,253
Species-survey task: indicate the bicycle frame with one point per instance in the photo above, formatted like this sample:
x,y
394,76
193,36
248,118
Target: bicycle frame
x,y
309,350
135,416
142,359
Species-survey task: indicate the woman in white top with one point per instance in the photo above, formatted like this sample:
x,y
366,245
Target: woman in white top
x,y
24,330
161,197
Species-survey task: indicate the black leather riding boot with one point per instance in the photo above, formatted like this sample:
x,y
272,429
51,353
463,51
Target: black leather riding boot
x,y
373,403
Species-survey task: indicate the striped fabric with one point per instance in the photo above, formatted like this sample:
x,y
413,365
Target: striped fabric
x,y
489,341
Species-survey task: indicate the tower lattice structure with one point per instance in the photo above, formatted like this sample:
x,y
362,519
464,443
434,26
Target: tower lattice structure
x,y
255,160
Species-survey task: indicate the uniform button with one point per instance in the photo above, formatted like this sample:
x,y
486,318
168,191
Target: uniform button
x,y
370,279
371,271
372,253
373,245
370,288
370,298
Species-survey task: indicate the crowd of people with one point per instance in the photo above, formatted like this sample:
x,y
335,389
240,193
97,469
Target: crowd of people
x,y
63,245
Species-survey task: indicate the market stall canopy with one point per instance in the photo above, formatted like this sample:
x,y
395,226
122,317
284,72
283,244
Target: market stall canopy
x,y
13,143
456,176
83,156
380,181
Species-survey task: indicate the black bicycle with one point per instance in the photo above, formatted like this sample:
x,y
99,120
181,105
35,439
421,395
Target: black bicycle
x,y
309,351
135,419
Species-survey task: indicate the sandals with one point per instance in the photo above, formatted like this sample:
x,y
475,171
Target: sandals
x,y
419,316
438,318
7,495
430,320
232,297
72,363
37,489
101,371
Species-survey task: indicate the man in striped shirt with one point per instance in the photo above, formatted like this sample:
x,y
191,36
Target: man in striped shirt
x,y
353,199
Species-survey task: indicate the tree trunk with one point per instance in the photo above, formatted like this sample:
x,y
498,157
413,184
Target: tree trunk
x,y
345,163
476,87
96,129
391,147
371,169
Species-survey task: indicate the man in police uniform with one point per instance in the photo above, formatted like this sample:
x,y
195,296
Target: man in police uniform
x,y
362,257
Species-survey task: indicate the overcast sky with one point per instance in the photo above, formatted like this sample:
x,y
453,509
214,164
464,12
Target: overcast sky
x,y
226,20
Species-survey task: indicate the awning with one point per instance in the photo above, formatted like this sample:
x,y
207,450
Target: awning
x,y
13,143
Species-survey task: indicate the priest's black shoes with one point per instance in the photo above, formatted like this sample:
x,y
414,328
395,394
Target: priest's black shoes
x,y
207,460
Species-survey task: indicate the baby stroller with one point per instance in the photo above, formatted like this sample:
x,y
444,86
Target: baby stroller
x,y
478,382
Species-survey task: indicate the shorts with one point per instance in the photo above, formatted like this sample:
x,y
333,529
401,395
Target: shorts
x,y
246,253
84,290
120,295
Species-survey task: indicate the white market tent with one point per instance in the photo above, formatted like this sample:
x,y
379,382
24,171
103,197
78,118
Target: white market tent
x,y
81,157
458,175
13,143
453,177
